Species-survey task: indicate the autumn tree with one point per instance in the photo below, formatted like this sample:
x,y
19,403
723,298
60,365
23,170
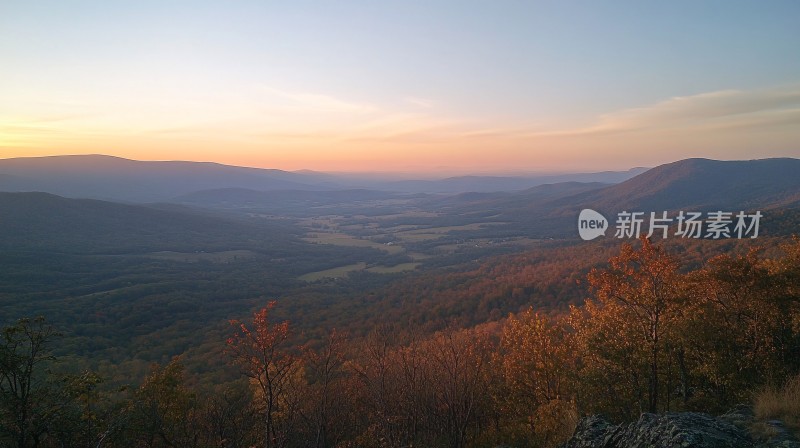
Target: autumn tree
x,y
628,330
785,272
325,370
430,391
743,329
231,419
459,367
262,353
164,412
537,362
376,368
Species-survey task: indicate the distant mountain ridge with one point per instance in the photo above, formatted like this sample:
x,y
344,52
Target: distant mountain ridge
x,y
114,178
118,179
690,183
488,184
702,184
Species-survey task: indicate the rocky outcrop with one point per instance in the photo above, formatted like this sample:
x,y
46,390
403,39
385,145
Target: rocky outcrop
x,y
688,429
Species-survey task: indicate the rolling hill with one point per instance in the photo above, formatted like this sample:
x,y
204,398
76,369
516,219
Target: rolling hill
x,y
703,184
114,178
488,184
116,277
46,222
771,185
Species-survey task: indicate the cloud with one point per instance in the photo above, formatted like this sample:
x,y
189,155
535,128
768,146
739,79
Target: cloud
x,y
316,102
258,118
423,103
720,109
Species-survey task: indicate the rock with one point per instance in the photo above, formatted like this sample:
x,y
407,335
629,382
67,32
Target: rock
x,y
779,435
741,416
671,430
590,430
765,434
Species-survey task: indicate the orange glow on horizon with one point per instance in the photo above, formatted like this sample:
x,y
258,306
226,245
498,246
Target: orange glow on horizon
x,y
322,133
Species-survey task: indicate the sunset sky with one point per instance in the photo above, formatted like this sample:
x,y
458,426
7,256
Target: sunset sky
x,y
435,86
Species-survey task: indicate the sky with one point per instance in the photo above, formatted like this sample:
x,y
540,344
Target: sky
x,y
434,86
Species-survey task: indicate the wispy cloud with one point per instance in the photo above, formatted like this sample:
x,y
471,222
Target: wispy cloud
x,y
317,102
423,103
727,108
310,125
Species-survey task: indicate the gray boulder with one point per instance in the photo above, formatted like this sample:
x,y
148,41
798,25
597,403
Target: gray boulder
x,y
672,430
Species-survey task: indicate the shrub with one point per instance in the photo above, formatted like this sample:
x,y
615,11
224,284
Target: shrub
x,y
780,403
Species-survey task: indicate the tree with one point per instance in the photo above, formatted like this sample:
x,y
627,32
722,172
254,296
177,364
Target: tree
x,y
325,371
459,368
536,358
632,323
377,370
164,411
742,329
25,408
262,355
785,272
83,422
230,418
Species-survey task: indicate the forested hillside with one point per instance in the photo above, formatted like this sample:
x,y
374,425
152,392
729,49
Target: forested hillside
x,y
654,335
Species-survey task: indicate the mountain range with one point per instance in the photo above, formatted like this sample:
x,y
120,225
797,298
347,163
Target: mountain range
x,y
704,184
118,179
696,184
545,210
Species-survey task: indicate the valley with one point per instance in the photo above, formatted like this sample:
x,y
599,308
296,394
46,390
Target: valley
x,y
117,277
136,284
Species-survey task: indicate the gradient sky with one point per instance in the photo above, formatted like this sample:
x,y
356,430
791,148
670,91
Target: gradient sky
x,y
447,86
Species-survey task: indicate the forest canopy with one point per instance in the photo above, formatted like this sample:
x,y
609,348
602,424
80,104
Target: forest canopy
x,y
653,336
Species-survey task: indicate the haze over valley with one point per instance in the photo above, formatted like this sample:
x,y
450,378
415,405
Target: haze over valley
x,y
187,245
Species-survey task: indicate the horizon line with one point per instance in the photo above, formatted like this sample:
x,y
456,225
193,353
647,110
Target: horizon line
x,y
427,173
